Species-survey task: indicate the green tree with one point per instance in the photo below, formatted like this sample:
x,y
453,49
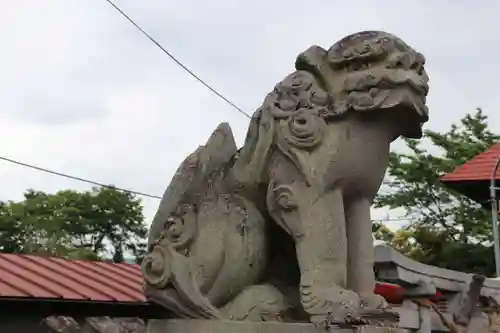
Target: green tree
x,y
96,224
446,229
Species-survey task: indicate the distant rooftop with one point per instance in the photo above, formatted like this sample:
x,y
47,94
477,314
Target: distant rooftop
x,y
479,167
472,179
28,276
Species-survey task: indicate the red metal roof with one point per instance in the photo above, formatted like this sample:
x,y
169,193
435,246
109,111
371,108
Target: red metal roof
x,y
478,168
27,276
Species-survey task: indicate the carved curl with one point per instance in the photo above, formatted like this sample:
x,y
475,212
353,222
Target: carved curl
x,y
292,118
180,228
156,267
371,47
305,129
284,198
296,93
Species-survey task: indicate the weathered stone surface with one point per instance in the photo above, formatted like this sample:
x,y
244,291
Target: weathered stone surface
x,y
61,324
220,326
280,230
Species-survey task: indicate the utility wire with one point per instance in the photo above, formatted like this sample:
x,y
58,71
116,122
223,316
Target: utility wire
x,y
60,174
209,87
88,181
178,62
80,179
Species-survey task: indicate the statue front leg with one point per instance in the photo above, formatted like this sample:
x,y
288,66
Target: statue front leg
x,y
360,274
315,219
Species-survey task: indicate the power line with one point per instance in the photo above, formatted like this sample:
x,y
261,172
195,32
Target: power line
x,y
178,62
88,181
80,179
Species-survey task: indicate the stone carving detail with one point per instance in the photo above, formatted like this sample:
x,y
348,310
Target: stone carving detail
x,y
266,232
305,129
156,267
62,324
284,197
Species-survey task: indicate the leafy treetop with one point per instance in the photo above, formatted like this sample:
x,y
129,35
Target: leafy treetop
x,y
95,224
447,229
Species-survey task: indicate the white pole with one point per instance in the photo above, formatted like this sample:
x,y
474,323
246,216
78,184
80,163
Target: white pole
x,y
494,217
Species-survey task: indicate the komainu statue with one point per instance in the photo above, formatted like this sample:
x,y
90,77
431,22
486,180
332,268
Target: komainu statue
x,y
280,229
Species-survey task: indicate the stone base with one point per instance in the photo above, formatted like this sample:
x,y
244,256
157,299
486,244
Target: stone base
x,y
212,326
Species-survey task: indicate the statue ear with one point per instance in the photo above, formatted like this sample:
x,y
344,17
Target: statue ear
x,y
315,61
253,158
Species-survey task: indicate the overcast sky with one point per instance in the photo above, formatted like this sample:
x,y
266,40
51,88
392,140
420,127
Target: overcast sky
x,y
83,92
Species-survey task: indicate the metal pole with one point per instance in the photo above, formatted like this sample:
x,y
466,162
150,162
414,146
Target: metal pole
x,y
494,217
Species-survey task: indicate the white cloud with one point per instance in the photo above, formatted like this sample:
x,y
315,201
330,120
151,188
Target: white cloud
x,y
82,91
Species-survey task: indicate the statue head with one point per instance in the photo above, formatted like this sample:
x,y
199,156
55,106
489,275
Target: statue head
x,y
370,75
372,71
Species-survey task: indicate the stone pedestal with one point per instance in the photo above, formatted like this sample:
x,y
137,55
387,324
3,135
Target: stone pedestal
x,y
209,326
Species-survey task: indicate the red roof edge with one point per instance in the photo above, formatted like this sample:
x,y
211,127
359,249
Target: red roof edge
x,y
479,168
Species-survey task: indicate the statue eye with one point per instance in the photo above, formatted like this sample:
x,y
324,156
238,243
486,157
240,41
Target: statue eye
x,y
169,223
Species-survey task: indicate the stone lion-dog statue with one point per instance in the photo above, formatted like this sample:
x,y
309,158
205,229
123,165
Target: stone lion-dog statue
x,y
280,229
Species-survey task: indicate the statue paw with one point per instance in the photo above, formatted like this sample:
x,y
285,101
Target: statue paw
x,y
258,303
330,305
375,311
373,302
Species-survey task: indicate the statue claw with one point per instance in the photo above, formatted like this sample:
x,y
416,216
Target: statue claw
x,y
330,307
347,308
373,302
375,311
